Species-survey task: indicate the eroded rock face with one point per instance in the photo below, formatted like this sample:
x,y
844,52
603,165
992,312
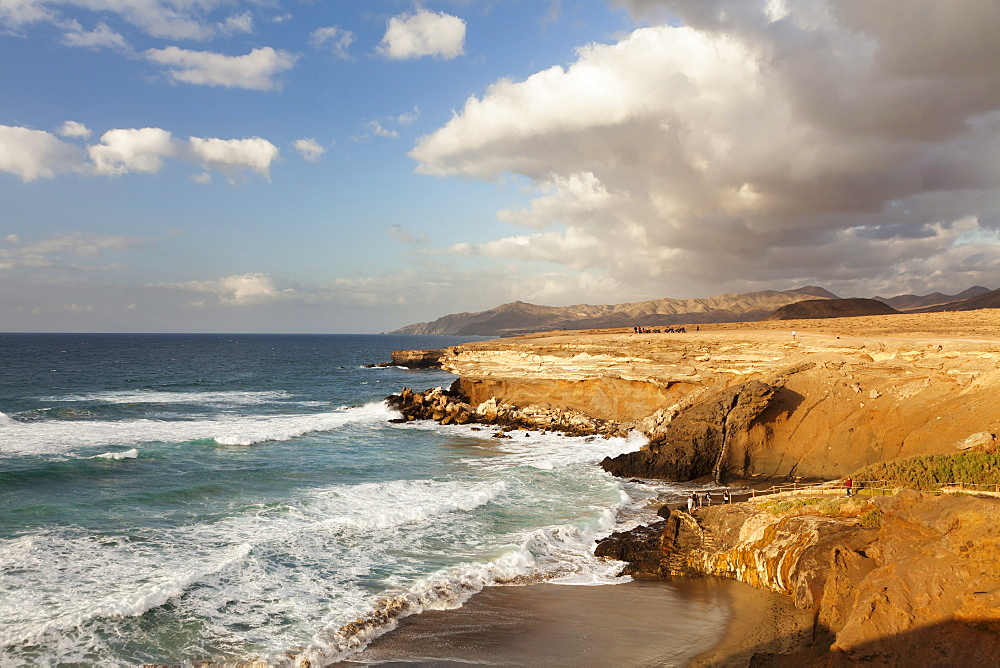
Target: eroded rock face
x,y
695,442
925,583
418,359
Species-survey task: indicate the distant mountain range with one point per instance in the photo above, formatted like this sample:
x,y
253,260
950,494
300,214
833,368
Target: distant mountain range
x,y
522,318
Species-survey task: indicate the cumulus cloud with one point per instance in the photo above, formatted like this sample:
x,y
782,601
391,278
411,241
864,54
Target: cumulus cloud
x,y
74,129
33,154
254,71
423,33
132,150
334,39
309,149
231,155
752,143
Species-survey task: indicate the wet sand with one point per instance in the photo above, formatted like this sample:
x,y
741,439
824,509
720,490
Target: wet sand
x,y
647,622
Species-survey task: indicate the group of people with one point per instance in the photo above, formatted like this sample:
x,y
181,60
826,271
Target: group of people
x,y
669,330
698,499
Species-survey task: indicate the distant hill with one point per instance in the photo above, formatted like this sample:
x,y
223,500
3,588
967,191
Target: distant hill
x,y
831,308
990,299
913,302
522,318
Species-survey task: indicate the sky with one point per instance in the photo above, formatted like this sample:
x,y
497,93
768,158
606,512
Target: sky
x,y
323,166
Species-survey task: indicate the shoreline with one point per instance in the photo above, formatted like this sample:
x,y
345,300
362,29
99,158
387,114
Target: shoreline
x,y
649,621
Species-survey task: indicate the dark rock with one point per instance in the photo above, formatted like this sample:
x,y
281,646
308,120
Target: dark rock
x,y
694,443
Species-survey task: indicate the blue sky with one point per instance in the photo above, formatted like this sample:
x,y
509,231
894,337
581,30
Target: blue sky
x,y
333,166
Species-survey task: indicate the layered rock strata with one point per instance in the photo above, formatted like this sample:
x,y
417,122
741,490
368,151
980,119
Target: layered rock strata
x,y
921,579
842,398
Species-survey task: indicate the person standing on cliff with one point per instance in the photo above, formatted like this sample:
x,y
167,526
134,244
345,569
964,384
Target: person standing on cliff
x,y
726,498
847,485
690,504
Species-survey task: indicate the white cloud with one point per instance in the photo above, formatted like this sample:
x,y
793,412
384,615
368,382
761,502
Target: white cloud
x,y
33,154
376,129
755,144
253,71
240,290
309,149
424,33
409,117
237,23
74,129
100,37
169,19
334,39
132,150
229,155
15,14
203,178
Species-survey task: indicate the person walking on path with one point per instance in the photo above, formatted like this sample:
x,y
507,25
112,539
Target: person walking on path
x,y
726,498
847,485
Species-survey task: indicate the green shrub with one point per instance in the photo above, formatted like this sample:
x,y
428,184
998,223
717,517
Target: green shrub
x,y
928,472
871,519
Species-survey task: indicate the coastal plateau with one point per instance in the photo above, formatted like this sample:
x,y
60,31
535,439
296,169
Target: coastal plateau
x,y
788,400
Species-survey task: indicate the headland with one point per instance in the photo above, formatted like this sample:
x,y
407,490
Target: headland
x,y
888,575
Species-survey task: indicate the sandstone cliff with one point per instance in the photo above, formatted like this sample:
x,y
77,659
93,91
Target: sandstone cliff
x,y
916,576
847,392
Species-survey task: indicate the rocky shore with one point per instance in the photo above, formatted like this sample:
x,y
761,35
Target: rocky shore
x,y
885,579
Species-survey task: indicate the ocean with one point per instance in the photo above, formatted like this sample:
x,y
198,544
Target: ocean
x,y
176,499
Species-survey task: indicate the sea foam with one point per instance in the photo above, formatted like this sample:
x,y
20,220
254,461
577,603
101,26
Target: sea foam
x,y
50,437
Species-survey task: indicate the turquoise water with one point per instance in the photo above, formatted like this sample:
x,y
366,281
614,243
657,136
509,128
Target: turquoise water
x,y
185,498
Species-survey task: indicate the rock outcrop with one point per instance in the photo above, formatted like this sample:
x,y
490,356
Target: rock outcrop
x,y
890,579
418,359
452,407
703,439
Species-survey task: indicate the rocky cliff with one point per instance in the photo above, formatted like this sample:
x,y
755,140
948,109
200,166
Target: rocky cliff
x,y
888,579
857,391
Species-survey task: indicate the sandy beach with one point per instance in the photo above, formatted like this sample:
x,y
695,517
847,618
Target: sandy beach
x,y
646,622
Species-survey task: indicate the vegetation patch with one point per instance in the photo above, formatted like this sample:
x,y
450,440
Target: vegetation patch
x,y
818,505
930,472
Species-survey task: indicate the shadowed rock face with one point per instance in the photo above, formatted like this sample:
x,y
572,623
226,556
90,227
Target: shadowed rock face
x,y
695,442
